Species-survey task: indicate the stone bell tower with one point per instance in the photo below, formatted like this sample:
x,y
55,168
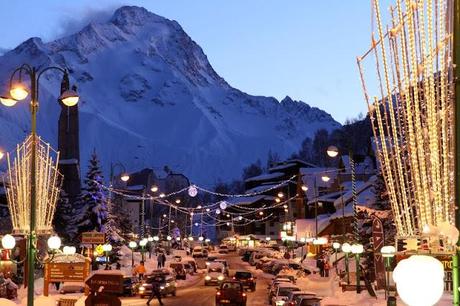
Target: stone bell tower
x,y
69,146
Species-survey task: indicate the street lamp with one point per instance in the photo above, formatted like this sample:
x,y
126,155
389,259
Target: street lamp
x,y
388,252
357,250
346,248
142,244
336,247
132,245
9,242
107,248
332,151
18,91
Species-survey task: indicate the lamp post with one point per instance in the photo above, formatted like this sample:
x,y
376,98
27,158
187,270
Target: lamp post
x,y
142,244
336,247
346,248
388,252
333,152
18,92
357,250
150,241
107,248
132,246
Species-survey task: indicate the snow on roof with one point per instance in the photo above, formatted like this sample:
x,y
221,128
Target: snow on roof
x,y
135,187
312,177
263,187
328,197
282,167
71,161
264,177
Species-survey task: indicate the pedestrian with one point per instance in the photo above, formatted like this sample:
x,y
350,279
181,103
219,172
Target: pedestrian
x,y
327,267
159,261
140,270
163,259
156,293
320,265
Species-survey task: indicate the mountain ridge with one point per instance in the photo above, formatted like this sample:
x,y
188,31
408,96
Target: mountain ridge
x,y
139,73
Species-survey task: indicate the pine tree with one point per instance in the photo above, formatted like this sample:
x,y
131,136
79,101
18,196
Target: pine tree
x,y
94,212
65,219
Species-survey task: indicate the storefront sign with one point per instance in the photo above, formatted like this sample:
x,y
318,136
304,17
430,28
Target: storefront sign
x,y
93,238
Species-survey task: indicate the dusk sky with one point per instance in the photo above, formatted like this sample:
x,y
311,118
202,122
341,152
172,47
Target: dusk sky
x,y
304,49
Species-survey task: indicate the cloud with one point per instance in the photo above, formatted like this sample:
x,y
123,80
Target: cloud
x,y
76,19
3,50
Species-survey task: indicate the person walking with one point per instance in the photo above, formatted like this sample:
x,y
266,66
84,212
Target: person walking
x,y
159,261
140,270
163,259
320,265
156,293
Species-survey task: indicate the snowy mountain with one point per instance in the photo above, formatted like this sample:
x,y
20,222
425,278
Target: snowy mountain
x,y
149,98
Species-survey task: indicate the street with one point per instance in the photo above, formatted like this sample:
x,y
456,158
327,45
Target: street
x,y
200,295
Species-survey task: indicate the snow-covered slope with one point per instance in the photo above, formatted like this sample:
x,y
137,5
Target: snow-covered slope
x,y
149,98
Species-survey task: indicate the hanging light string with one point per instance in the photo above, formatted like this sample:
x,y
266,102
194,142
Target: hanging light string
x,y
412,111
247,194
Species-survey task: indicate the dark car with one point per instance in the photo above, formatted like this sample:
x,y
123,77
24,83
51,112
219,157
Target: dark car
x,y
246,256
179,270
231,293
129,285
167,286
247,279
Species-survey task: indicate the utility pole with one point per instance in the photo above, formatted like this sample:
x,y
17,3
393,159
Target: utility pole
x,y
456,65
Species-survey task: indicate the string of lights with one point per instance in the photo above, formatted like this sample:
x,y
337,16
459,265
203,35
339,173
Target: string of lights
x,y
411,111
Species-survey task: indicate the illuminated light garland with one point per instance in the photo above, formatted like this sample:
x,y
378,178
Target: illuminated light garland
x,y
18,186
412,119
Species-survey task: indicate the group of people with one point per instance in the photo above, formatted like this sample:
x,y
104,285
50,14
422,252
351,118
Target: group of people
x,y
323,264
161,260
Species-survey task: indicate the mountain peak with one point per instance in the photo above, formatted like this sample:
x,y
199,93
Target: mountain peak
x,y
286,99
132,15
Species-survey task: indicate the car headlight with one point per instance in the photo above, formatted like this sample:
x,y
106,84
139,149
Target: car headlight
x,y
280,303
141,288
166,285
162,287
207,277
220,277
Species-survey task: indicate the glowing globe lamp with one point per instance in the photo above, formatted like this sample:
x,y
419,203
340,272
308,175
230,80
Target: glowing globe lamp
x,y
8,242
419,280
19,92
54,242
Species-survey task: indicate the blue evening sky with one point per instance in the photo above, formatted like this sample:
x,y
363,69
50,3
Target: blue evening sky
x,y
302,48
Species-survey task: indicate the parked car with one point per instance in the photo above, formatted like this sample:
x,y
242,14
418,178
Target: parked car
x,y
280,295
230,293
246,255
294,297
292,278
223,249
246,278
167,285
178,269
262,262
214,274
198,252
188,268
